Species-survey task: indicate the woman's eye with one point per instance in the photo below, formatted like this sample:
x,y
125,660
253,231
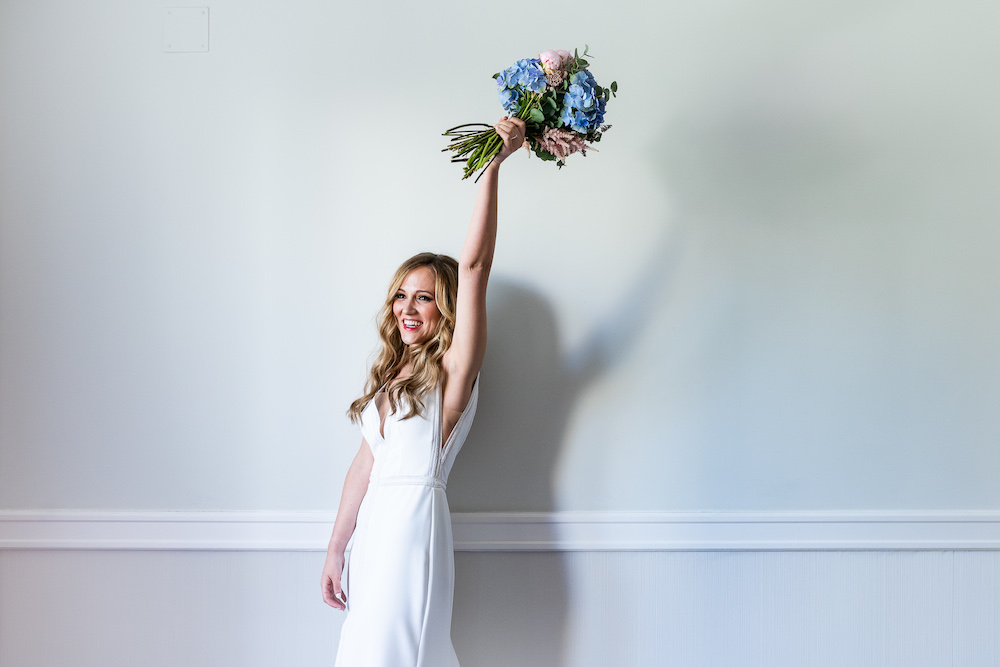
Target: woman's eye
x,y
400,296
424,297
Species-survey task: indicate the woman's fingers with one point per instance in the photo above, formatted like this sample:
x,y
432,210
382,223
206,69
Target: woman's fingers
x,y
327,589
511,123
338,595
512,132
332,594
520,130
513,128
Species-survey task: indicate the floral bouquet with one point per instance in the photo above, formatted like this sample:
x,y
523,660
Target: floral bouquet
x,y
557,98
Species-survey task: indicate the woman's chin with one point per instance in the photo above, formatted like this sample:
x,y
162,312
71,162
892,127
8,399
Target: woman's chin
x,y
411,337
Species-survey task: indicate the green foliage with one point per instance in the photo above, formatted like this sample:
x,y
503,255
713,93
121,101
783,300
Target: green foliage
x,y
544,154
547,110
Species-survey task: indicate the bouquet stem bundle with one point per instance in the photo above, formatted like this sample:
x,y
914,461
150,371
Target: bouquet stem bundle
x,y
477,148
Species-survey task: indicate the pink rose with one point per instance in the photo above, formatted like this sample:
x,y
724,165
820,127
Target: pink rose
x,y
553,61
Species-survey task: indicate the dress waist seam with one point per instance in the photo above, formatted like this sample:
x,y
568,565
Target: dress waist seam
x,y
411,480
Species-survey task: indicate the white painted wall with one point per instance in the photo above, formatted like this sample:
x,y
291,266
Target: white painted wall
x,y
775,287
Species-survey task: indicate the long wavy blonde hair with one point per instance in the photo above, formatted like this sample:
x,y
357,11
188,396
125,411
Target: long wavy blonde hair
x,y
426,358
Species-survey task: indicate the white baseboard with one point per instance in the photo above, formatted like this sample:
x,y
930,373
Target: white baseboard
x,y
516,531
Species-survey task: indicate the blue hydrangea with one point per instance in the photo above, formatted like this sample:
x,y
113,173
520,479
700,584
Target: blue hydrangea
x,y
582,109
525,74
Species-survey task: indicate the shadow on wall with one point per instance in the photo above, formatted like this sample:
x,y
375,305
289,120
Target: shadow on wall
x,y
530,387
522,406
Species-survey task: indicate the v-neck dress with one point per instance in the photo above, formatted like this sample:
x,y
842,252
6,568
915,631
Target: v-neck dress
x,y
400,573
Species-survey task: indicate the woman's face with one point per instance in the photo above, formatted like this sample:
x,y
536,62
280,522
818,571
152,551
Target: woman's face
x,y
415,308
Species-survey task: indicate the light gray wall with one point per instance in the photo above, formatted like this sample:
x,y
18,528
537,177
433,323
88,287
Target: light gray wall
x,y
775,286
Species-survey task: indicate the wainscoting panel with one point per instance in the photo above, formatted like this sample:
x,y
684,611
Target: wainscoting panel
x,y
163,609
728,609
825,608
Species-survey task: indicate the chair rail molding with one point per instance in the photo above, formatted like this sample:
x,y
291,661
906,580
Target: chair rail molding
x,y
515,531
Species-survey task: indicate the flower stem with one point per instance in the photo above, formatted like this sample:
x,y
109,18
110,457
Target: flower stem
x,y
478,149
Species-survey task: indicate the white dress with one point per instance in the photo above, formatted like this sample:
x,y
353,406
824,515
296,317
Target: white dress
x,y
400,574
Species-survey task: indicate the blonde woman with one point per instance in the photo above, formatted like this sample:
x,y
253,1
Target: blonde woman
x,y
397,584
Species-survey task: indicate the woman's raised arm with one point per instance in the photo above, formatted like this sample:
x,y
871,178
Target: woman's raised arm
x,y
468,347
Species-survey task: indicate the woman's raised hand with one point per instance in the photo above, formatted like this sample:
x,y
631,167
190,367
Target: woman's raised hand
x,y
511,130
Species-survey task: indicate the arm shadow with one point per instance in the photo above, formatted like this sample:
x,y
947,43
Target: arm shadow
x,y
530,386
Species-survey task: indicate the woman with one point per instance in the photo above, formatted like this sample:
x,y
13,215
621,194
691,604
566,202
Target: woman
x,y
419,404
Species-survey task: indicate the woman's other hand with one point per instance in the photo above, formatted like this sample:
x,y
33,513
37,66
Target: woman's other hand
x,y
330,581
511,130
